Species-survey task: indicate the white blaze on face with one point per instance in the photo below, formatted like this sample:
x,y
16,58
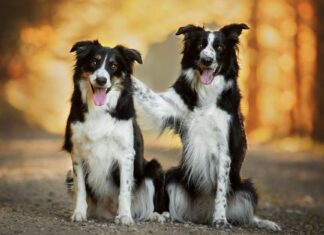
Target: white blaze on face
x,y
209,51
100,92
101,72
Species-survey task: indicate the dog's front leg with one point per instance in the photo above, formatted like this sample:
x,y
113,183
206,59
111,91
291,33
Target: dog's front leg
x,y
219,216
81,206
126,166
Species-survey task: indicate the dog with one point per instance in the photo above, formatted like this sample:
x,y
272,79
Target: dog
x,y
203,108
110,177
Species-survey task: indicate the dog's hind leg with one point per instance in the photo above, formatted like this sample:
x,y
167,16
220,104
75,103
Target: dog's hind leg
x,y
69,181
154,171
155,174
179,203
142,201
242,205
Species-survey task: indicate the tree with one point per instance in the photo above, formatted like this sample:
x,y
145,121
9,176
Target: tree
x,y
318,122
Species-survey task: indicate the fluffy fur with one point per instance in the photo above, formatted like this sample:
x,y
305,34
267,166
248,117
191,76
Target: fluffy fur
x,y
110,177
203,107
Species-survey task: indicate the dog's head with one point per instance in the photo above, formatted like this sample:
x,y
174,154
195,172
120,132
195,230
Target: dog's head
x,y
104,68
209,52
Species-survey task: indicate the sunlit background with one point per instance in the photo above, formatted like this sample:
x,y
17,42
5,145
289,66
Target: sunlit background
x,y
281,79
278,56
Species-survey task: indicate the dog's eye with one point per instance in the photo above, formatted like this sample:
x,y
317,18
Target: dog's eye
x,y
200,45
113,67
220,48
93,63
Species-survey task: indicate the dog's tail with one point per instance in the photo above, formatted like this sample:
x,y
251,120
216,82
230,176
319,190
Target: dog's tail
x,y
69,181
154,171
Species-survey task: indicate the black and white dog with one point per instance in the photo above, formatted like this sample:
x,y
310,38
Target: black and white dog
x,y
203,107
110,175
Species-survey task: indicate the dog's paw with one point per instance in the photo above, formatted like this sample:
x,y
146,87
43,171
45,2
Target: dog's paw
x,y
267,224
167,216
124,220
273,226
79,216
156,217
221,223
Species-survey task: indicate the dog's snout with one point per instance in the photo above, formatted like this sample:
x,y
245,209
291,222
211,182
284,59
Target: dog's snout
x,y
207,61
101,81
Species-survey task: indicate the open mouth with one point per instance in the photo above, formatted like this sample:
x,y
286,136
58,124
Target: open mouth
x,y
207,74
99,95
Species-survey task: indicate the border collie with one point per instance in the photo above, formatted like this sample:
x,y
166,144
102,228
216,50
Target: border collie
x,y
110,175
203,107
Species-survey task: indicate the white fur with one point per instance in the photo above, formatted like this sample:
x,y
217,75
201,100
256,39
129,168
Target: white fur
x,y
142,203
99,142
112,99
80,211
101,72
190,76
182,210
209,51
153,109
206,154
240,208
267,224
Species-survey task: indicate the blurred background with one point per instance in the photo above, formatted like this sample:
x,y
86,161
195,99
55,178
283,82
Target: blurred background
x,y
281,78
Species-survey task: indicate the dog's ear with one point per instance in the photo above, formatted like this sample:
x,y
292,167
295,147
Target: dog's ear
x,y
130,54
233,31
188,29
82,48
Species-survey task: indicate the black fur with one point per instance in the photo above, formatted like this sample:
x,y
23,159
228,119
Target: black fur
x,y
86,51
188,95
194,41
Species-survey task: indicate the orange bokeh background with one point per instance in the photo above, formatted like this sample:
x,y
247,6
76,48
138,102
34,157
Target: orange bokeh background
x,y
277,56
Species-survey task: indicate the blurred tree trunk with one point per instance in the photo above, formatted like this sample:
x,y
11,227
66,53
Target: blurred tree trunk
x,y
318,128
295,126
252,121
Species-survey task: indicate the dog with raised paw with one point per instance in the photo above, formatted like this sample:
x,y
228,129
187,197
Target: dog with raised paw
x,y
203,108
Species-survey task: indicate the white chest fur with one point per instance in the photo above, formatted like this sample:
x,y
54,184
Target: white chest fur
x,y
100,141
207,135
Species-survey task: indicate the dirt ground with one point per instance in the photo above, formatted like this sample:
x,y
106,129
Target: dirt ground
x,y
33,198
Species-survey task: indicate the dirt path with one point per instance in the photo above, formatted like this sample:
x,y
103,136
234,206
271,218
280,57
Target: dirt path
x,y
33,197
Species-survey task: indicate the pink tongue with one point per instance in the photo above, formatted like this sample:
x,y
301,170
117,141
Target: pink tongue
x,y
99,96
207,76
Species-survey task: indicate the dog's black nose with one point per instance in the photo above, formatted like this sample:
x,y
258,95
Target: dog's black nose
x,y
101,81
206,61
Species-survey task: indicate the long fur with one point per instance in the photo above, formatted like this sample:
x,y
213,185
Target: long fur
x,y
204,111
110,176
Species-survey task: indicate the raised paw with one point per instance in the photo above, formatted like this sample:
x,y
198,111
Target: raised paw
x,y
124,220
156,217
221,224
79,216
